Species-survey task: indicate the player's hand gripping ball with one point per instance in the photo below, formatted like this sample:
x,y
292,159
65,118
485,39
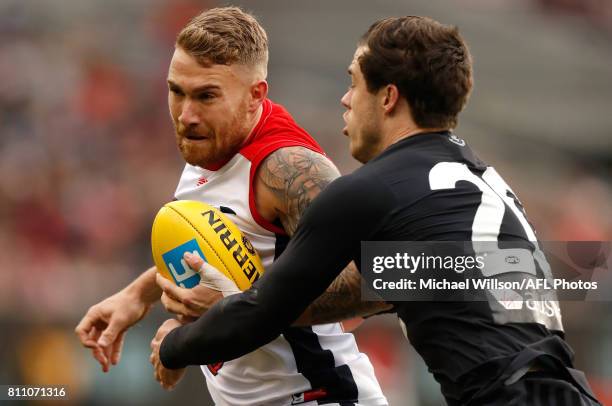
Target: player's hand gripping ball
x,y
200,229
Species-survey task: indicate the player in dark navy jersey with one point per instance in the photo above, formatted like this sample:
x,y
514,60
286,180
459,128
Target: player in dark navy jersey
x,y
411,77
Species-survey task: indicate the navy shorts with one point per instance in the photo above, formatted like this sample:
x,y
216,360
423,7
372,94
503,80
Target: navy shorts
x,y
542,388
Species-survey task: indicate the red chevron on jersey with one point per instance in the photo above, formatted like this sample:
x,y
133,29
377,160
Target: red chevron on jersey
x,y
276,129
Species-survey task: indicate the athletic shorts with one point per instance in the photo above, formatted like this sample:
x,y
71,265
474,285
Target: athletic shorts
x,y
539,388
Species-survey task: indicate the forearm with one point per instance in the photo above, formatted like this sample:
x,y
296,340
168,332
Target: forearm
x,y
235,326
341,301
144,288
241,323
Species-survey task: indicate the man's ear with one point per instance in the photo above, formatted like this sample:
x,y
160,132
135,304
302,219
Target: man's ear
x,y
390,98
259,92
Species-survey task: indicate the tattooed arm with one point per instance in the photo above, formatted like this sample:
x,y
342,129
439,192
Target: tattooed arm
x,y
287,181
341,301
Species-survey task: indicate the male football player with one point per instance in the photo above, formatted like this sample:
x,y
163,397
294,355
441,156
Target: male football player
x,y
410,78
247,156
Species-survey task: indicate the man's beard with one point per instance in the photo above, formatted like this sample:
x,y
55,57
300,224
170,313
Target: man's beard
x,y
211,151
198,155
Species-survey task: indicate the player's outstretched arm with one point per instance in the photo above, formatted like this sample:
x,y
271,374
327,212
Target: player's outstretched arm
x,y
324,243
289,179
285,185
103,327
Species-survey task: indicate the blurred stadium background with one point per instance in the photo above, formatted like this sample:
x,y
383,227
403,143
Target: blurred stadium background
x,y
87,157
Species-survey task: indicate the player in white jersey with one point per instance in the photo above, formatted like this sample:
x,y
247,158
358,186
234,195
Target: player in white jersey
x,y
247,156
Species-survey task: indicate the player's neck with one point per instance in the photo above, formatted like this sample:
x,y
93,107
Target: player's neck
x,y
404,130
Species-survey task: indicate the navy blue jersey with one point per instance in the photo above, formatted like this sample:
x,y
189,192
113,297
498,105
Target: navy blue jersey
x,y
426,187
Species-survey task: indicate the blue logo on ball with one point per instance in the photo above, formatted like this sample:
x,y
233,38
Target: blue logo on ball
x,y
180,271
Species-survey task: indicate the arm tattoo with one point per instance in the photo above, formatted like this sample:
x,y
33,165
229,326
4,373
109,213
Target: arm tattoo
x,y
341,301
296,175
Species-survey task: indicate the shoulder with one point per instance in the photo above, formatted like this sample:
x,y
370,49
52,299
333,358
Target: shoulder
x,y
289,178
288,163
356,195
352,207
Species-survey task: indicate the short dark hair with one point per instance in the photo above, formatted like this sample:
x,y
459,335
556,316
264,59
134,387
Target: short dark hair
x,y
428,62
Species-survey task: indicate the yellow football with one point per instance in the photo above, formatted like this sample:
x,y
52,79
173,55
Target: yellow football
x,y
191,226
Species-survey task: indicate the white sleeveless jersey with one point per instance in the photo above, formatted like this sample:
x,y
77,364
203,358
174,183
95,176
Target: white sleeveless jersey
x,y
303,366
